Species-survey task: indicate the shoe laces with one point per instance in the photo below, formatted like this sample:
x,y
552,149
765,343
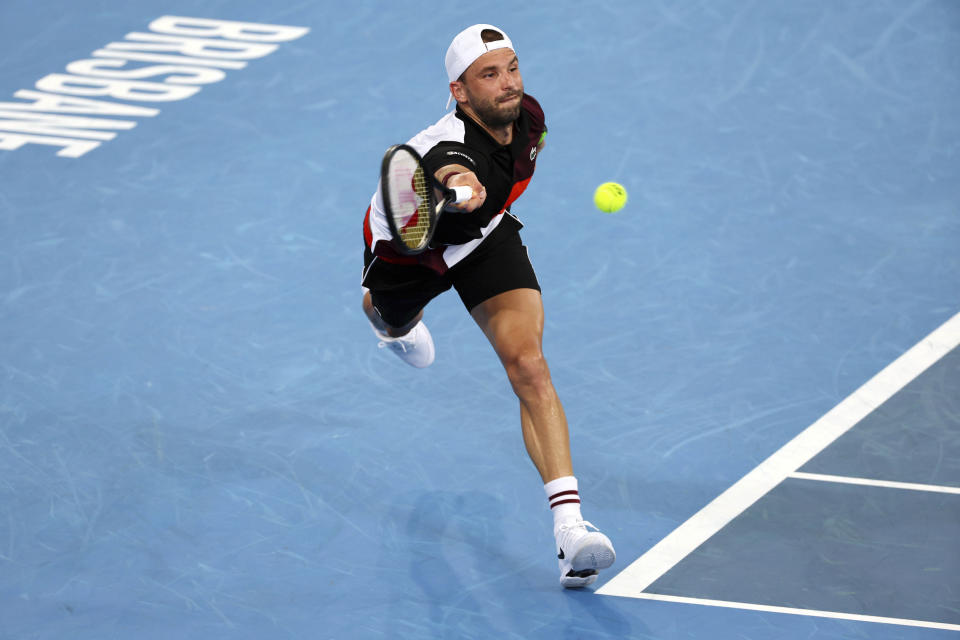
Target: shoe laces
x,y
402,343
393,344
572,528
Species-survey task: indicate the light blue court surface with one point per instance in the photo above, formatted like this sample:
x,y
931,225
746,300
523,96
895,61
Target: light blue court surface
x,y
199,437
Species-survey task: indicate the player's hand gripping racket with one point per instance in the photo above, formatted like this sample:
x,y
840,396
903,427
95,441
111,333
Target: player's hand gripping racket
x,y
409,199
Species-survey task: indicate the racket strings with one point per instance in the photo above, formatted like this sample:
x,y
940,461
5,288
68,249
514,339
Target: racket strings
x,y
415,218
414,232
409,199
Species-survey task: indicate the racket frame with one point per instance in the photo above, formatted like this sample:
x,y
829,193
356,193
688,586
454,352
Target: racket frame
x,y
433,207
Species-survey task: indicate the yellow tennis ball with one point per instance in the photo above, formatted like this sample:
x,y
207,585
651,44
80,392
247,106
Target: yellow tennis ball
x,y
610,197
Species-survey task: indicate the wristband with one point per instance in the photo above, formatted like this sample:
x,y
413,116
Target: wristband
x,y
447,177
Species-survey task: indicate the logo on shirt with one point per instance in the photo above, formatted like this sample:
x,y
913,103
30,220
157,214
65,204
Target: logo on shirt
x,y
533,153
462,155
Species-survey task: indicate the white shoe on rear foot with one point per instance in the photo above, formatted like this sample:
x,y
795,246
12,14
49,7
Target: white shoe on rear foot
x,y
415,347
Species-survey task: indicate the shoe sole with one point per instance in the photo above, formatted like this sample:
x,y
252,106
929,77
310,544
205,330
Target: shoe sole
x,y
594,555
578,581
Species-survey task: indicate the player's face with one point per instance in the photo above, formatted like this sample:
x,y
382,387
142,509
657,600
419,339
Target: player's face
x,y
493,87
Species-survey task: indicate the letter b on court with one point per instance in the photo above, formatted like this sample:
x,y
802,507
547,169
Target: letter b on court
x,y
228,29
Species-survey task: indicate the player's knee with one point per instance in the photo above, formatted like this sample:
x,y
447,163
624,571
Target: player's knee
x,y
527,369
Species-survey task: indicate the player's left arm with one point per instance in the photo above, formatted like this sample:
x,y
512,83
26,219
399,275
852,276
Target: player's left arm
x,y
537,119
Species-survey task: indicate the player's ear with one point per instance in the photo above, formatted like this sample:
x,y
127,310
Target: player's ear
x,y
458,91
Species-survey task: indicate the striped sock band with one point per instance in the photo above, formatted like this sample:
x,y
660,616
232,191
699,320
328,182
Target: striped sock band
x,y
564,497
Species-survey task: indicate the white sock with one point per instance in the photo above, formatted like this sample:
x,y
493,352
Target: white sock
x,y
564,498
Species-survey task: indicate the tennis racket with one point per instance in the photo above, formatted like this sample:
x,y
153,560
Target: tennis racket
x,y
410,200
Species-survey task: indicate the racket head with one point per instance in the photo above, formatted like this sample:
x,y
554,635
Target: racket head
x,y
408,198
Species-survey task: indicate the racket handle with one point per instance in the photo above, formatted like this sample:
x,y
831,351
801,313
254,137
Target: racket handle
x,y
461,194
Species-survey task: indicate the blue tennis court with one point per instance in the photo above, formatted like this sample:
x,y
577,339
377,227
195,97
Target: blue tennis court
x,y
758,356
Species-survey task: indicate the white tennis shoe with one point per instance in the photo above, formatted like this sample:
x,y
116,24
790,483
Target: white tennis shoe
x,y
582,553
415,348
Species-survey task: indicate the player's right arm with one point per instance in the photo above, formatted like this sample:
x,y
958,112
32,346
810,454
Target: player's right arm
x,y
457,175
454,164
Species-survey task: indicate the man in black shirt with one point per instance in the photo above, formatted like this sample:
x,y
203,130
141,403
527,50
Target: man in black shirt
x,y
489,143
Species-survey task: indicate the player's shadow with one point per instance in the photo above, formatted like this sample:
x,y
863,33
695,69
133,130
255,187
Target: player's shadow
x,y
607,619
461,559
451,537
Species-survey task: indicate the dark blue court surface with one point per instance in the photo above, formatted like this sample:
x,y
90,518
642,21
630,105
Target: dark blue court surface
x,y
883,552
199,437
913,437
868,527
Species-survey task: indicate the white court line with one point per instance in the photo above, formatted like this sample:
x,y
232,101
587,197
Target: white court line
x,y
803,612
868,482
632,581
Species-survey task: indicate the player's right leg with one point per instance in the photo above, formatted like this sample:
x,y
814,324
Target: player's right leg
x,y
393,300
411,342
379,325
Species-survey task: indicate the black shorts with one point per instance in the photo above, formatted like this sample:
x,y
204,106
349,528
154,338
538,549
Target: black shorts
x,y
499,264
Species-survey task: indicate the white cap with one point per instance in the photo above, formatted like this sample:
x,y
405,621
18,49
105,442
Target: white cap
x,y
467,46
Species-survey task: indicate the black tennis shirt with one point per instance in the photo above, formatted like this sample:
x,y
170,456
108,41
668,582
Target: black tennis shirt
x,y
504,170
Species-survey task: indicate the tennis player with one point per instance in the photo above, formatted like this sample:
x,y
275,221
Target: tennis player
x,y
490,142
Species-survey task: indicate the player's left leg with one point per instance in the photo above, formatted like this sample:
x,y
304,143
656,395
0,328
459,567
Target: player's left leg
x,y
513,323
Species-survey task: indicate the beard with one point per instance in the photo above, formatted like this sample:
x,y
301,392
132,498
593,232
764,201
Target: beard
x,y
500,111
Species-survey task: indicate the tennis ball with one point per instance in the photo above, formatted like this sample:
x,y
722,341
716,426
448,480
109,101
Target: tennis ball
x,y
610,197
